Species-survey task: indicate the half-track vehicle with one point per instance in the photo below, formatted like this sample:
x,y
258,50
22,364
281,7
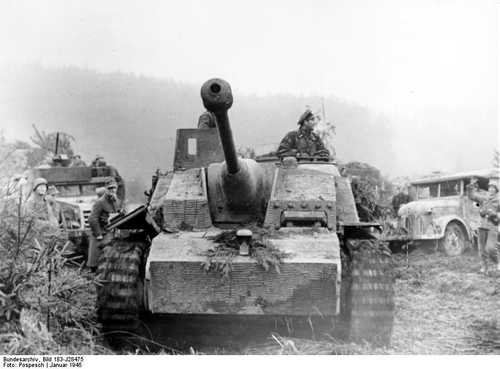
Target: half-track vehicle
x,y
332,267
75,193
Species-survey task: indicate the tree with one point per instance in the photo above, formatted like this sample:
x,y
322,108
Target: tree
x,y
369,188
47,141
326,131
45,146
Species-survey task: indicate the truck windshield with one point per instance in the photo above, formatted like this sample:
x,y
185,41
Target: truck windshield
x,y
89,189
450,188
427,191
68,190
78,189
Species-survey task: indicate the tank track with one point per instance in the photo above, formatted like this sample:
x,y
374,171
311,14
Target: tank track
x,y
120,290
367,302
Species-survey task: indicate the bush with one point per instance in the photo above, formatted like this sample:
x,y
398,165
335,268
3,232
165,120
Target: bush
x,y
46,302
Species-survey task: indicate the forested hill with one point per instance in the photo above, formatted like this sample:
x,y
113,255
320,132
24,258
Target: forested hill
x,y
131,120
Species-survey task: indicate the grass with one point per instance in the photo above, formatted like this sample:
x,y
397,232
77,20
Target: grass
x,y
441,301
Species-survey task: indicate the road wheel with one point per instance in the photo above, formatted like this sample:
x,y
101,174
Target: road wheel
x,y
367,294
454,241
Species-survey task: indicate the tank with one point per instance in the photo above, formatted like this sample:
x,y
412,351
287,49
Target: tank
x,y
331,267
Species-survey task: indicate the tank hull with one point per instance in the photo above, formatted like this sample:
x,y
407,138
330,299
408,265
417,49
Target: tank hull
x,y
307,284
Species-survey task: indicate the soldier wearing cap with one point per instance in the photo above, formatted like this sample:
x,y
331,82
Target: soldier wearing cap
x,y
100,162
490,215
98,220
76,161
39,204
303,142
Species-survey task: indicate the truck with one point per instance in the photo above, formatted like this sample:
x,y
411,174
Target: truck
x,y
441,212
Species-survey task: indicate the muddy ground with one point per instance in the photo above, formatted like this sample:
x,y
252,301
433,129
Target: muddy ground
x,y
443,306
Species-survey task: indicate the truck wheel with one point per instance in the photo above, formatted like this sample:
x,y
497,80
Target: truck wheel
x,y
454,240
368,292
120,288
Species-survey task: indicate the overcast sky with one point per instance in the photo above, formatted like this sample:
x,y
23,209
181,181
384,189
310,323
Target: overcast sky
x,y
394,55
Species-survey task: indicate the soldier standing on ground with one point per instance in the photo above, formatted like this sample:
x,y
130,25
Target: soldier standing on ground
x,y
490,214
303,142
98,221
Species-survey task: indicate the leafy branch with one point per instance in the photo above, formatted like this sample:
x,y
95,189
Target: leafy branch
x,y
220,258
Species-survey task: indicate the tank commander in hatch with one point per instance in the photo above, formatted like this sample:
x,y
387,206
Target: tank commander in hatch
x,y
207,120
303,142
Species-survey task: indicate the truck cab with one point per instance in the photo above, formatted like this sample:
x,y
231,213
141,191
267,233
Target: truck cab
x,y
442,211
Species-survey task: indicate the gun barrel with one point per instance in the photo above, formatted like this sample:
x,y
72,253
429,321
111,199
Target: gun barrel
x,y
218,98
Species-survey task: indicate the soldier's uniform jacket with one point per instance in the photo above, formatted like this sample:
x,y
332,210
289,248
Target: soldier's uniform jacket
x,y
303,142
41,209
489,205
98,219
207,120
